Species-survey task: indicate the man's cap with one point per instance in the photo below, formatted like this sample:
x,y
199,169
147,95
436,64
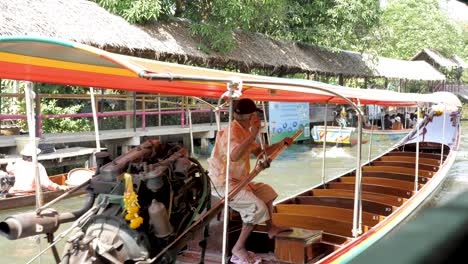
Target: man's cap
x,y
398,118
29,149
245,106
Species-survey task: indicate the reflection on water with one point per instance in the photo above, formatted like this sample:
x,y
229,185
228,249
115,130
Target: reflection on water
x,y
298,168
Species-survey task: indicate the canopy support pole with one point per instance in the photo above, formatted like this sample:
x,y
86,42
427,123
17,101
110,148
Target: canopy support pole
x,y
443,136
231,87
324,147
267,125
192,150
29,97
357,214
371,134
96,125
416,172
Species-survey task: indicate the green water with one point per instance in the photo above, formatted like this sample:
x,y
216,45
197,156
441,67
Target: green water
x,y
296,169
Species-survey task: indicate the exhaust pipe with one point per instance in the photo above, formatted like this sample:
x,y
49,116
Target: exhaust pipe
x,y
29,224
46,222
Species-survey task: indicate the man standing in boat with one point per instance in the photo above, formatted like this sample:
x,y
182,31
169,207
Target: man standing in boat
x,y
23,170
254,202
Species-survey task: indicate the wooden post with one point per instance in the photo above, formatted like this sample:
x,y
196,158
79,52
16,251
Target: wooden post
x,y
340,79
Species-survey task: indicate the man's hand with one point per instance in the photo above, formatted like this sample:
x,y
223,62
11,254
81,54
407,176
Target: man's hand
x,y
288,141
63,188
255,125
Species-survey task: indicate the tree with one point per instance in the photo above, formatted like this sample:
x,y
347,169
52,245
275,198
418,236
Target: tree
x,y
408,26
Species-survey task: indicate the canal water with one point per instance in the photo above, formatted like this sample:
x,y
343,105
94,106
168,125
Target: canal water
x,y
296,169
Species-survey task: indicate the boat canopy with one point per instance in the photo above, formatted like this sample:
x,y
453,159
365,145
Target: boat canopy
x,y
64,62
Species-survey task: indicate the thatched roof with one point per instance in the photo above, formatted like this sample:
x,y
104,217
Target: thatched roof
x,y
78,20
256,50
86,22
436,59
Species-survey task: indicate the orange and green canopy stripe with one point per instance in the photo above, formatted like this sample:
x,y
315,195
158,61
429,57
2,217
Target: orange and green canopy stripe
x,y
64,62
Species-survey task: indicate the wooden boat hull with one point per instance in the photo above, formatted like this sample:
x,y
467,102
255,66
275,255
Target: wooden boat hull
x,y
335,135
388,198
383,135
30,199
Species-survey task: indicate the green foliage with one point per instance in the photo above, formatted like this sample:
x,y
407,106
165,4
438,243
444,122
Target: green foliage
x,y
138,11
343,24
412,25
60,125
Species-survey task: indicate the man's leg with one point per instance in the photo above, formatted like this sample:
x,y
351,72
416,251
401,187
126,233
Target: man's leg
x,y
273,230
239,248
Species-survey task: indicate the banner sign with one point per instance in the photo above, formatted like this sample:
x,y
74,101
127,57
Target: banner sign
x,y
287,118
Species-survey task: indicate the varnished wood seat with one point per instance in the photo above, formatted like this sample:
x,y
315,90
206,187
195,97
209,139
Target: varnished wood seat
x,y
372,188
347,203
315,223
340,214
375,197
408,171
413,154
425,161
395,176
405,165
405,185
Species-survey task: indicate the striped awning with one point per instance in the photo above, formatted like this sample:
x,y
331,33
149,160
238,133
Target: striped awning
x,y
63,62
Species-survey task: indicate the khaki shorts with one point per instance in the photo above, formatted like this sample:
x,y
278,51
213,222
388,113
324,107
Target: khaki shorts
x,y
251,202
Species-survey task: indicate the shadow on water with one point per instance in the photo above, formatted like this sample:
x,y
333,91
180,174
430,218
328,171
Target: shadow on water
x,y
296,169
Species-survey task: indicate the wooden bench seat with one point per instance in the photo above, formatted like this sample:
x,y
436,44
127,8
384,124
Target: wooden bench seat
x,y
340,214
405,185
372,188
424,161
375,197
405,165
315,223
408,171
395,176
347,203
413,154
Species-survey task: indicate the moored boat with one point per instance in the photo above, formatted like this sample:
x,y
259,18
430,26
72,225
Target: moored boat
x,y
343,136
385,134
152,200
18,200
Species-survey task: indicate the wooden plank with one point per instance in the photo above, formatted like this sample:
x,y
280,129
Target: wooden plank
x,y
408,171
375,197
347,203
372,188
405,165
335,213
405,185
315,223
413,154
422,161
395,176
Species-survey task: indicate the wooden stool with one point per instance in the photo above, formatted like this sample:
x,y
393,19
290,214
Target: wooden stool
x,y
296,246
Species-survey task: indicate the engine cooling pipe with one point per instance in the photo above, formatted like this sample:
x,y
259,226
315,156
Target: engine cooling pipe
x,y
46,222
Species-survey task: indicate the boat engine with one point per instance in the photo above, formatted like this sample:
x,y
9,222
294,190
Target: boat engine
x,y
170,191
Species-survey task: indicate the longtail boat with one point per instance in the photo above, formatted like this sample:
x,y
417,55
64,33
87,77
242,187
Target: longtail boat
x,y
342,136
385,134
152,204
18,200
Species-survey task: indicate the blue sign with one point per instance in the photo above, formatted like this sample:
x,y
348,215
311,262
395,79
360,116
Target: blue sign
x,y
287,118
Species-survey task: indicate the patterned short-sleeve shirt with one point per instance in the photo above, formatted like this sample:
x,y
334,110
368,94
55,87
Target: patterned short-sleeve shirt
x,y
218,160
